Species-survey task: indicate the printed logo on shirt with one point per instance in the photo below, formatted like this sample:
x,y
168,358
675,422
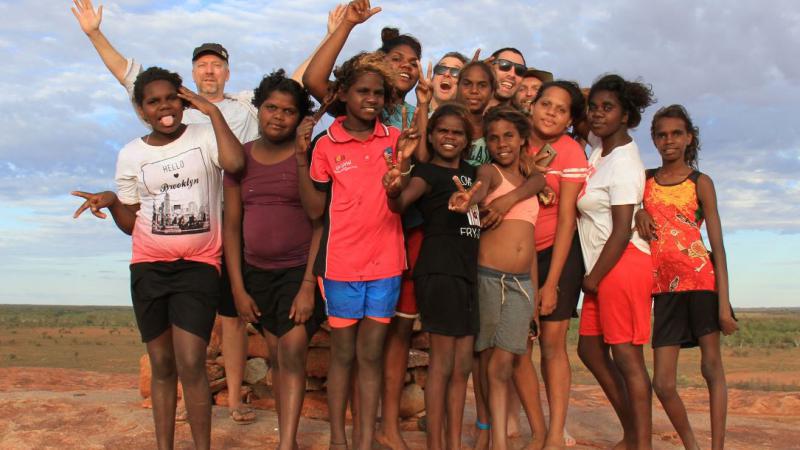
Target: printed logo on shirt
x,y
343,164
180,198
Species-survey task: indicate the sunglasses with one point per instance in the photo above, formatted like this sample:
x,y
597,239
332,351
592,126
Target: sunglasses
x,y
441,70
505,65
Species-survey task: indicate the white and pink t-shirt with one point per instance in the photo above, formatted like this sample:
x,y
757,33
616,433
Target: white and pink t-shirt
x,y
178,188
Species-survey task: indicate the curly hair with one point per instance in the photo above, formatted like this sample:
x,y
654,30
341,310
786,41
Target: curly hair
x,y
577,105
523,126
347,74
150,75
634,96
450,109
278,81
391,38
679,112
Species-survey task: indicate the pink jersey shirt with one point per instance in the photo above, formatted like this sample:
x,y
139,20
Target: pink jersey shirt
x,y
362,239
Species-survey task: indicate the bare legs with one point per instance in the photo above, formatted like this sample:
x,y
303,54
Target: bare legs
x,y
234,353
361,343
665,386
446,389
527,384
178,353
289,380
481,407
395,363
557,377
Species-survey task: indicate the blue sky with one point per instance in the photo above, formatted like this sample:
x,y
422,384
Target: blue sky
x,y
64,117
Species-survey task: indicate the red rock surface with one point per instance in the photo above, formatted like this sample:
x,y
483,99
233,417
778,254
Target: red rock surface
x,y
72,409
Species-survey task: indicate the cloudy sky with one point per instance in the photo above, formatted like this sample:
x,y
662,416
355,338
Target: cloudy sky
x,y
733,64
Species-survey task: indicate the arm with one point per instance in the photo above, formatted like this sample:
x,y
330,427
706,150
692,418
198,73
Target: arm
x,y
230,150
621,216
124,215
424,93
232,244
335,17
315,78
312,199
89,21
303,304
463,199
416,187
565,230
708,198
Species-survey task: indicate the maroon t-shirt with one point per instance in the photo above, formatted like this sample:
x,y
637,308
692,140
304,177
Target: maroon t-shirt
x,y
276,230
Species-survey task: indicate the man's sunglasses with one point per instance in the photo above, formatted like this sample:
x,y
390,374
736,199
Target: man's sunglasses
x,y
505,65
441,70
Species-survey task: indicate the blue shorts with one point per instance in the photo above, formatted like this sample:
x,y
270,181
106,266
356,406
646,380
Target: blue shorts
x,y
359,299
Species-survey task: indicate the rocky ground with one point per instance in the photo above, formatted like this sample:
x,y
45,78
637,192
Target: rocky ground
x,y
73,409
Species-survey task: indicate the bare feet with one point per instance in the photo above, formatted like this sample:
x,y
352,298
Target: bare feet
x,y
569,441
620,445
482,441
536,444
338,446
513,428
391,439
554,442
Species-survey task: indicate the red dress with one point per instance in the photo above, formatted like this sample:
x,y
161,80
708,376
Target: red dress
x,y
680,259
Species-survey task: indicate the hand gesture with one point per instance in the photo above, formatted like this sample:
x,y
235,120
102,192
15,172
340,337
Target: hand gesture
x,y
547,196
335,17
727,323
424,85
392,179
358,11
461,200
645,225
476,56
548,298
303,304
94,202
246,307
409,138
303,140
88,18
197,102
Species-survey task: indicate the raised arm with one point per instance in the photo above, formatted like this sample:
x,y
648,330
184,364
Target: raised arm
x,y
89,21
335,17
231,152
319,69
312,199
424,93
708,198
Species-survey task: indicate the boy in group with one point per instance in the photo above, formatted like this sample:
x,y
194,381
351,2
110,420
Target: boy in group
x,y
210,72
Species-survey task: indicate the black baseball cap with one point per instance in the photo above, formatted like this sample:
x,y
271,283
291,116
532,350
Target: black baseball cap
x,y
213,48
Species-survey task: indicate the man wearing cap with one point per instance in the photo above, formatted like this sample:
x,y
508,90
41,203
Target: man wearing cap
x,y
529,87
210,73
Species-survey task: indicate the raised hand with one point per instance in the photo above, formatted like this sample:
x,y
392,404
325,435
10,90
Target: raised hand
x,y
461,200
197,102
303,140
645,225
94,202
392,179
476,56
335,17
424,85
88,18
358,11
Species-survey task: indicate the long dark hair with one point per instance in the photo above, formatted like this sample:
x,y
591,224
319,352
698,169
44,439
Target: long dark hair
x,y
634,96
679,112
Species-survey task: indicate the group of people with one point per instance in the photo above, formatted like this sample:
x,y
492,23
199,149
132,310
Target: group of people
x,y
476,211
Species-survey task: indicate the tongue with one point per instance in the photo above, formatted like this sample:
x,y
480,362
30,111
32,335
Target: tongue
x,y
167,121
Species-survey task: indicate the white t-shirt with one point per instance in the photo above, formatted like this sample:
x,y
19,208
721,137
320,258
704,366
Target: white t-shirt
x,y
237,109
178,188
617,179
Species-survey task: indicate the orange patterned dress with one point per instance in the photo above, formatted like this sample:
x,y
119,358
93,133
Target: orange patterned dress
x,y
680,258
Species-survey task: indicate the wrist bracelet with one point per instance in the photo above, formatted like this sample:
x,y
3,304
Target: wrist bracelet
x,y
408,172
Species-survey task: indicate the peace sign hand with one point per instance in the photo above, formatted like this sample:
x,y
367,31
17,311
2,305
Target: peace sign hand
x,y
88,19
424,85
461,200
335,17
94,202
197,102
358,11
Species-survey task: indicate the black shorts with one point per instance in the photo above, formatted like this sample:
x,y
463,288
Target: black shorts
x,y
227,307
180,293
448,305
274,291
681,318
569,285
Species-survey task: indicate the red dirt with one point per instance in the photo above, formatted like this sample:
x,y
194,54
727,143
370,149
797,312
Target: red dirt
x,y
72,409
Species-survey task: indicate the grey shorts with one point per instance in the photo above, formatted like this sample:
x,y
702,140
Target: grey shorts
x,y
506,302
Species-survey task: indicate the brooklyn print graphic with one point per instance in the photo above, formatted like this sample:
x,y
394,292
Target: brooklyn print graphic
x,y
179,186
